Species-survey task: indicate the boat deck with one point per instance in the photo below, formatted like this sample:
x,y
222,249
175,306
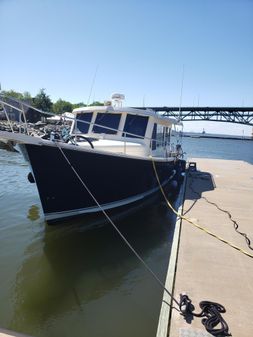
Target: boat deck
x,y
208,269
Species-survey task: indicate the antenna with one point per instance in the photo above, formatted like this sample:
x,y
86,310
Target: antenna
x,y
92,84
143,101
181,94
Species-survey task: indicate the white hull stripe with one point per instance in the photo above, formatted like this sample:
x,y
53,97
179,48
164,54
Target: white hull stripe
x,y
65,214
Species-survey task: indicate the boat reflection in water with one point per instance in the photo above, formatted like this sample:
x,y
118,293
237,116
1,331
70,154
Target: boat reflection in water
x,y
76,282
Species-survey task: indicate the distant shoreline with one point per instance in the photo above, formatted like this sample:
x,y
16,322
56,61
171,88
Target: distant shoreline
x,y
200,135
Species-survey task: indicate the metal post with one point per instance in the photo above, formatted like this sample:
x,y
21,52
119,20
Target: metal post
x,y
125,143
23,112
8,119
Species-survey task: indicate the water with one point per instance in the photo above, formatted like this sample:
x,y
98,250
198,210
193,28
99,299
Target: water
x,y
219,148
67,281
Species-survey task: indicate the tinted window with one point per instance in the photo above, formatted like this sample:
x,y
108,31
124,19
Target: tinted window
x,y
153,141
109,120
83,127
136,125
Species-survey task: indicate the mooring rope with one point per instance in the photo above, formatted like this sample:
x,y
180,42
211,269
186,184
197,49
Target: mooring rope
x,y
118,231
235,224
210,314
210,310
194,223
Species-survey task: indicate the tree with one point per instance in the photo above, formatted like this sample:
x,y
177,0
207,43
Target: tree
x,y
78,105
62,106
12,94
42,101
96,103
27,97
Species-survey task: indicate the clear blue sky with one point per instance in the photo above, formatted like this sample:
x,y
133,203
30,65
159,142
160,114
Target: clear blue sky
x,y
138,47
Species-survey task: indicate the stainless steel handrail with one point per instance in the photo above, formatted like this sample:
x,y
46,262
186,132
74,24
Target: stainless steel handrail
x,y
22,112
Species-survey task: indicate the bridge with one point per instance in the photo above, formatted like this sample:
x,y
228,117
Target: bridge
x,y
238,115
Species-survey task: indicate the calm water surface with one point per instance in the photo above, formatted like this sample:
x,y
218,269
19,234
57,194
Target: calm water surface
x,y
219,148
68,281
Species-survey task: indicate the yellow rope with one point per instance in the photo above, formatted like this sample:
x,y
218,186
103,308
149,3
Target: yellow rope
x,y
192,222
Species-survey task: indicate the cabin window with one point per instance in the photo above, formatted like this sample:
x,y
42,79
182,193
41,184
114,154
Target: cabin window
x,y
163,136
82,127
153,140
135,126
166,136
107,120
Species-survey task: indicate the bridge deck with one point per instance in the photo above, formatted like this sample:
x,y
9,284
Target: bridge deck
x,y
238,115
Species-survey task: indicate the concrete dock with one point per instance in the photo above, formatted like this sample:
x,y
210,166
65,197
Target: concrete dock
x,y
206,268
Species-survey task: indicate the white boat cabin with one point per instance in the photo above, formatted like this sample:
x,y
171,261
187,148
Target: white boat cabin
x,y
124,130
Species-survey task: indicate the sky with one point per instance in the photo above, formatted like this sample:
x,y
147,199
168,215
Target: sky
x,y
148,50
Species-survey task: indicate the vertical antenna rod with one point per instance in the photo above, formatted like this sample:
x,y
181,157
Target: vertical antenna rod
x,y
92,84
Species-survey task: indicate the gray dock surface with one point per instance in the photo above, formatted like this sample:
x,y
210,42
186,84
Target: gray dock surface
x,y
208,269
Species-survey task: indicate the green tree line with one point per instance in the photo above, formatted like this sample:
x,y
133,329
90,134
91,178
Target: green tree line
x,y
43,102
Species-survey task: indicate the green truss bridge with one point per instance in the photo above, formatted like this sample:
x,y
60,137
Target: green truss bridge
x,y
238,115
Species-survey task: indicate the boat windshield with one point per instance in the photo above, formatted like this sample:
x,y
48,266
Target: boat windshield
x,y
80,126
136,125
109,120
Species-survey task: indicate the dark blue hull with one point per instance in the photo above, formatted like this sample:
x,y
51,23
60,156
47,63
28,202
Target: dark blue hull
x,y
114,180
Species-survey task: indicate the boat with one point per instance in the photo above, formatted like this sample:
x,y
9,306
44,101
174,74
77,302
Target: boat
x,y
113,157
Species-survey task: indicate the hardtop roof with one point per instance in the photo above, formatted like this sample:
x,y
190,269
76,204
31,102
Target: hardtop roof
x,y
159,119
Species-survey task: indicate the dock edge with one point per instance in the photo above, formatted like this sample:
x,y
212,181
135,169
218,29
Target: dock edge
x,y
165,312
